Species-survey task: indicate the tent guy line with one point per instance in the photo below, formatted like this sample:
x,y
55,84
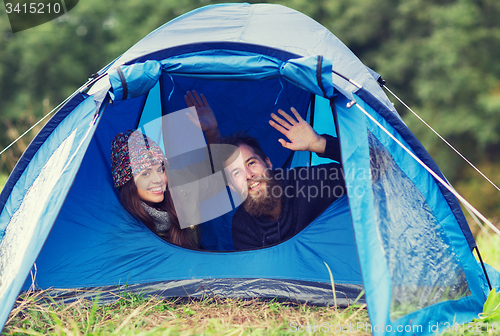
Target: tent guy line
x,y
29,129
442,138
436,176
79,90
446,184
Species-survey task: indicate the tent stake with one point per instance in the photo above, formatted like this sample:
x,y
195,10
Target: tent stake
x,y
484,268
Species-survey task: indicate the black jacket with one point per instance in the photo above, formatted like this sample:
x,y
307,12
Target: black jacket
x,y
307,192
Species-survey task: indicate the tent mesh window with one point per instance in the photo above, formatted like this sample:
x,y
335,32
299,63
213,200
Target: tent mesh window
x,y
423,268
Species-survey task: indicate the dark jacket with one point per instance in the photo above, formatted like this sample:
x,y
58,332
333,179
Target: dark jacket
x,y
307,192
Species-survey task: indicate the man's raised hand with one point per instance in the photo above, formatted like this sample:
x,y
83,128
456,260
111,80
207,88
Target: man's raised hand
x,y
301,135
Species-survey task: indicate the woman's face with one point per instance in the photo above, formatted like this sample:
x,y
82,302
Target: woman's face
x,y
151,183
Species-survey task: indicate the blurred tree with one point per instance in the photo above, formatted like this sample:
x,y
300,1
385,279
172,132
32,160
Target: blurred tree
x,y
40,67
440,56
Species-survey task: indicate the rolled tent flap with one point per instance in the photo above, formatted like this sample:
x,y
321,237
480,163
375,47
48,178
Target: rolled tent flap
x,y
223,64
134,80
312,73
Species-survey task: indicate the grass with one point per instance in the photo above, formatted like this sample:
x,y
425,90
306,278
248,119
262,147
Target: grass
x,y
3,179
132,314
489,247
136,315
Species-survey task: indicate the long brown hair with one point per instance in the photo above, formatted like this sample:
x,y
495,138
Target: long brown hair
x,y
129,198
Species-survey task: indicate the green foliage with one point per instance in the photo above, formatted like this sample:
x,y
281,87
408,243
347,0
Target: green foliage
x,y
332,283
153,316
480,189
3,179
491,308
488,247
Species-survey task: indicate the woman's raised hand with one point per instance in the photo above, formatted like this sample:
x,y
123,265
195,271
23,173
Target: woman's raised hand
x,y
206,120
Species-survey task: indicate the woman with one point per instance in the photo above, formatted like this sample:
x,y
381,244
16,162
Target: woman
x,y
138,168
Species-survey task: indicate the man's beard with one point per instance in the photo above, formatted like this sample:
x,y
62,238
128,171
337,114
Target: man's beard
x,y
267,200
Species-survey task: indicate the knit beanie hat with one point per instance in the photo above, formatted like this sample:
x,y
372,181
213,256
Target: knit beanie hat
x,y
132,152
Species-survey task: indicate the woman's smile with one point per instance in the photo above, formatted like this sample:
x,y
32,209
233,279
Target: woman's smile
x,y
151,183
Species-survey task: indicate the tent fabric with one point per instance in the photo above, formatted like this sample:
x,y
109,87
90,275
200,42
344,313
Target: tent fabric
x,y
382,279
34,146
273,28
29,214
310,73
410,252
418,149
134,80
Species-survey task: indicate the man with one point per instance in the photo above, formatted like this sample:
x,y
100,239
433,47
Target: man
x,y
278,204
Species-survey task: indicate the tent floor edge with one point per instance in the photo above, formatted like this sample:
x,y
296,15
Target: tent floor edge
x,y
289,291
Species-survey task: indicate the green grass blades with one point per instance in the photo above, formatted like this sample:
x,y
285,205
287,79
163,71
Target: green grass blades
x,y
491,308
138,315
333,284
489,246
3,179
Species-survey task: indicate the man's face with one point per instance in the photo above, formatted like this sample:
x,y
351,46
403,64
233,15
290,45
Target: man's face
x,y
248,173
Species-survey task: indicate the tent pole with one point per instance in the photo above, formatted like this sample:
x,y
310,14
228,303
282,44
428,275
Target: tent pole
x,y
484,268
335,122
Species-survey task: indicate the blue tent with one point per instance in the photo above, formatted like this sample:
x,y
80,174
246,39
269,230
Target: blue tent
x,y
398,234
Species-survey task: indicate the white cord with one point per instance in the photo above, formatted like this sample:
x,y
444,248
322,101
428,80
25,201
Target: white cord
x,y
53,110
456,151
474,217
436,176
39,121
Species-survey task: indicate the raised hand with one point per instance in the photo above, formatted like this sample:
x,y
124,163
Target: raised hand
x,y
301,135
206,120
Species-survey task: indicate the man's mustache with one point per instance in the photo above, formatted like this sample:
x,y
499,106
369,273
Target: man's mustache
x,y
257,179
